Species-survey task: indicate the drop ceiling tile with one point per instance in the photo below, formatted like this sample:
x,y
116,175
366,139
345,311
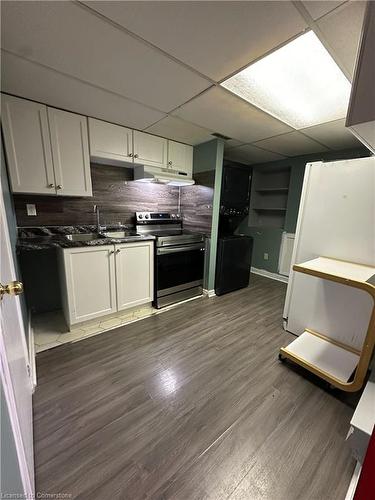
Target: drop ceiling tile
x,y
333,134
180,130
67,37
317,8
342,30
222,112
232,143
215,38
249,154
32,81
292,144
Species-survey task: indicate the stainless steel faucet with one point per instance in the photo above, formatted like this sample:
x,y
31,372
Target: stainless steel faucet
x,y
98,226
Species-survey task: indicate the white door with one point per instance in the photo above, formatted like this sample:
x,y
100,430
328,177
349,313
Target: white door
x,y
28,146
150,149
14,364
180,157
70,153
110,142
134,274
90,282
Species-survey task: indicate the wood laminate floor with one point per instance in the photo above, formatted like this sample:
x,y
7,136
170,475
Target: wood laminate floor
x,y
190,404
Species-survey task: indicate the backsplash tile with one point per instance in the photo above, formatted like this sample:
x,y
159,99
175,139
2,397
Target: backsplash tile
x,y
117,196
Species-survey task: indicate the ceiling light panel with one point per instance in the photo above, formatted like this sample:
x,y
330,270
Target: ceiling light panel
x,y
300,84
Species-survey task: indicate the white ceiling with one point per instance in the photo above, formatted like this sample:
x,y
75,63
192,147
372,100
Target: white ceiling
x,y
156,66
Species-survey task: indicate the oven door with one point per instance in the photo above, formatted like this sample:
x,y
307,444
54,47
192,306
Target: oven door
x,y
178,269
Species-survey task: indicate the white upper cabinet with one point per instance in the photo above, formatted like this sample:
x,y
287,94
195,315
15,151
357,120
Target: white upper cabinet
x,y
47,149
28,147
70,153
110,143
180,157
150,149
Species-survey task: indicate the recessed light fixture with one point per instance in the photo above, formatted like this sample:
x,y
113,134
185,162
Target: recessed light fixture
x,y
300,84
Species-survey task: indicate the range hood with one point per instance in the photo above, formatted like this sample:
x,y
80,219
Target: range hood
x,y
144,173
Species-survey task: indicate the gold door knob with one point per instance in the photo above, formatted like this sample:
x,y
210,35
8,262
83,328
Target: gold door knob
x,y
12,288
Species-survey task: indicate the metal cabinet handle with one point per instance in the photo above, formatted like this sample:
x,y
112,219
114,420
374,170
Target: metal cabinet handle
x,y
170,162
135,156
59,186
111,252
51,185
118,251
130,154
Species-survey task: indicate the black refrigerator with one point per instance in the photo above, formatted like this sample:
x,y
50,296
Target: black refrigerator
x,y
233,263
234,251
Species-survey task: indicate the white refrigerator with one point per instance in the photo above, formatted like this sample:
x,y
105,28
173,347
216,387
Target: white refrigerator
x,y
336,219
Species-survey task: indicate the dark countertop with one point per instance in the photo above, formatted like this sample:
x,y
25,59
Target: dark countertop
x,y
46,237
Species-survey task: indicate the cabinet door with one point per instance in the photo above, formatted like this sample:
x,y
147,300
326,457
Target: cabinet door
x,y
90,288
134,274
150,150
70,153
110,142
28,146
180,157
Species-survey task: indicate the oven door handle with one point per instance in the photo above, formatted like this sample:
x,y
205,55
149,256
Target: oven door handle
x,y
182,248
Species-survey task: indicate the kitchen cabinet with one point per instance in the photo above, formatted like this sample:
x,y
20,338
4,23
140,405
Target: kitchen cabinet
x,y
110,143
70,153
46,148
27,145
361,111
180,157
100,280
88,282
149,149
134,274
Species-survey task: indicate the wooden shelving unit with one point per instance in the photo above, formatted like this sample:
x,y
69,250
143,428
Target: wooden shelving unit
x,y
269,197
326,357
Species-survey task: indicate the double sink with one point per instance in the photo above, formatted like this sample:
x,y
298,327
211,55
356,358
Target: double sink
x,y
97,236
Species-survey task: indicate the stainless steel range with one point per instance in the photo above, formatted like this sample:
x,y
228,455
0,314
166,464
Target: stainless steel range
x,y
179,257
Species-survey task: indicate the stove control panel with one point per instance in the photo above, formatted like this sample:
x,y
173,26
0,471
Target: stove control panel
x,y
156,217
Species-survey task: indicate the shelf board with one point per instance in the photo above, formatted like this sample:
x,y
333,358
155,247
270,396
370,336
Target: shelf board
x,y
273,190
322,355
349,273
268,209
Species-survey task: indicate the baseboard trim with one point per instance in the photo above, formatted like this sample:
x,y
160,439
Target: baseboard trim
x,y
209,293
32,363
268,274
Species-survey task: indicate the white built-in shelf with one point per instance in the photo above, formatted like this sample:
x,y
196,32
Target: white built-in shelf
x,y
276,209
273,190
323,355
338,270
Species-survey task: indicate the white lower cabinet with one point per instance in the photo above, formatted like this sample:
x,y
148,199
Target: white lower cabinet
x,y
88,280
101,280
134,274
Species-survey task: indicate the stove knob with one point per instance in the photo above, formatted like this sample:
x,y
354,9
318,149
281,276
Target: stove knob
x,y
146,216
178,216
173,216
140,216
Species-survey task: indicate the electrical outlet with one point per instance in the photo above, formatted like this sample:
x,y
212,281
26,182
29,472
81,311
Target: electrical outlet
x,y
30,209
265,256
